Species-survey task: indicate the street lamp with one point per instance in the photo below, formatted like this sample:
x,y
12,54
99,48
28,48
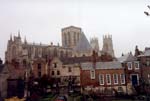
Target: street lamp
x,y
147,13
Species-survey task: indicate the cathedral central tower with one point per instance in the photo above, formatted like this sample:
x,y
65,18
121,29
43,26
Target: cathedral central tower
x,y
70,36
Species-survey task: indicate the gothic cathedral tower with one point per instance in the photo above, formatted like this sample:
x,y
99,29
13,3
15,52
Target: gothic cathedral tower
x,y
108,45
94,44
70,36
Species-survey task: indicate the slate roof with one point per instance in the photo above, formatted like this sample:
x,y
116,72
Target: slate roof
x,y
147,53
72,60
83,44
126,58
102,65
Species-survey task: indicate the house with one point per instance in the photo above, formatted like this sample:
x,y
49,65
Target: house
x,y
145,65
102,76
39,67
132,70
62,69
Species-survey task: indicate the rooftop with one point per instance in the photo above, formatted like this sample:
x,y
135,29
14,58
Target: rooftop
x,y
83,44
102,65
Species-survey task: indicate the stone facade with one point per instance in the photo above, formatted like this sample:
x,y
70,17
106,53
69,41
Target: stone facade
x,y
4,75
108,45
63,71
95,44
71,36
62,64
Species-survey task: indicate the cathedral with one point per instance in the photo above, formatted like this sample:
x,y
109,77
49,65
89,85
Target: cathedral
x,y
74,44
26,57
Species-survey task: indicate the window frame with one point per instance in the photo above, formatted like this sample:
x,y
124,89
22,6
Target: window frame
x,y
136,62
116,79
108,83
92,74
58,72
53,73
101,75
129,68
122,79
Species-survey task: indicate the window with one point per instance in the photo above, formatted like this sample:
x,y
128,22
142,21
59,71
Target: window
x,y
147,63
115,77
75,38
58,72
136,65
148,75
92,73
39,66
53,73
39,74
101,79
122,78
120,89
55,65
69,69
69,38
129,64
65,38
108,79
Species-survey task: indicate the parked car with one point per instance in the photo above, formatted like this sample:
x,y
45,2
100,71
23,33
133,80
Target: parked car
x,y
61,98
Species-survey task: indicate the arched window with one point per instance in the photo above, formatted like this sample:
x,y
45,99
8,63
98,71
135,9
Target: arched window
x,y
14,52
74,37
61,54
58,72
53,73
69,38
65,39
55,52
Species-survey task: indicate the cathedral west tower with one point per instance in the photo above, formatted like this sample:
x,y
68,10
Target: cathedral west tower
x,y
108,45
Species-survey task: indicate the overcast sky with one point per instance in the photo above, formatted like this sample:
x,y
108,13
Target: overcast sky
x,y
42,20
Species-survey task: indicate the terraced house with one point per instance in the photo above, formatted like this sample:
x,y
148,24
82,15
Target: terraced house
x,y
103,77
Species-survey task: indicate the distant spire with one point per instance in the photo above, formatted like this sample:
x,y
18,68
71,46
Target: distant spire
x,y
25,41
19,34
58,44
10,37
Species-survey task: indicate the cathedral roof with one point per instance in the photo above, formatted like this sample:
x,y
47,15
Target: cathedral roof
x,y
83,44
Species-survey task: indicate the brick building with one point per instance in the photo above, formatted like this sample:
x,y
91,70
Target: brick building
x,y
102,76
144,59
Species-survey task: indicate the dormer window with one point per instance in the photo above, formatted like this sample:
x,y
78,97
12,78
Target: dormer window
x,y
129,64
136,65
92,74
